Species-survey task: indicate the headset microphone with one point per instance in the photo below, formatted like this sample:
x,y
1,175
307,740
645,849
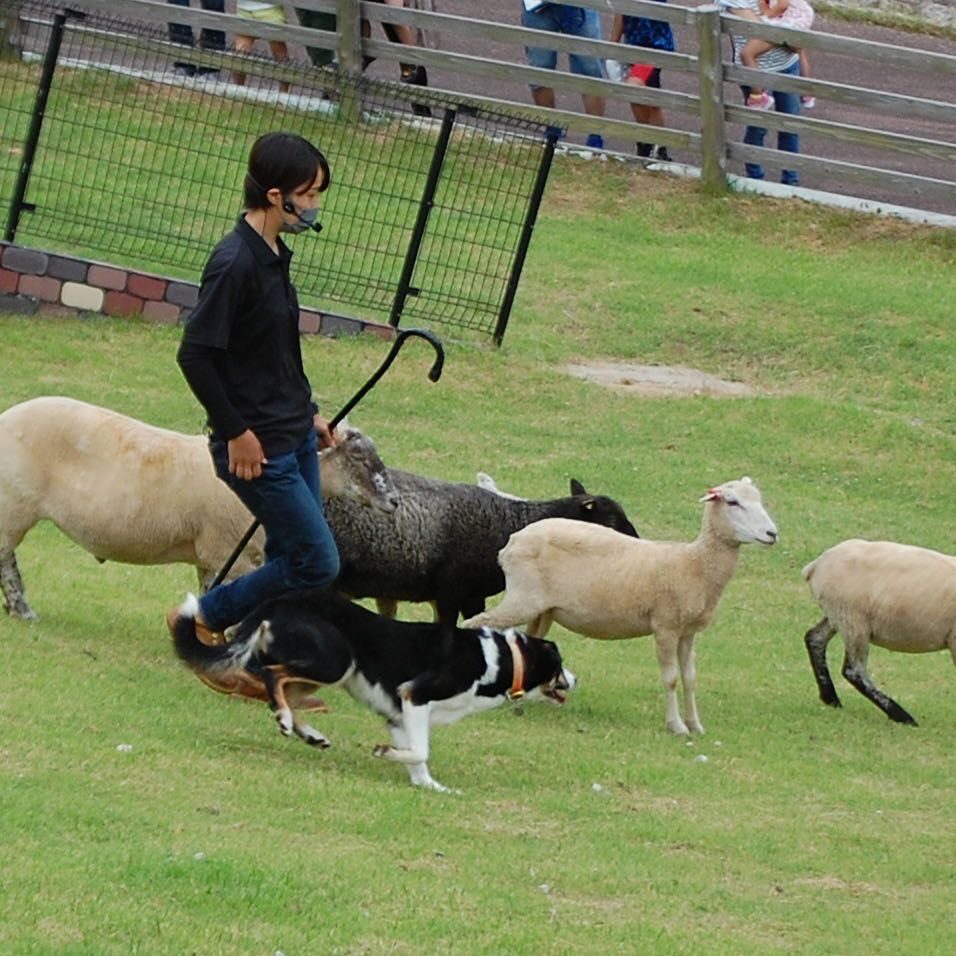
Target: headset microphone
x,y
304,223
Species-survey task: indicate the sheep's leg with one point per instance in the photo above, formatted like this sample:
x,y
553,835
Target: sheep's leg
x,y
816,640
666,645
854,670
14,596
509,613
387,607
540,626
688,674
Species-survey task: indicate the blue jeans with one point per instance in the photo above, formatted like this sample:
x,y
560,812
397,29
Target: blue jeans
x,y
788,142
300,550
573,21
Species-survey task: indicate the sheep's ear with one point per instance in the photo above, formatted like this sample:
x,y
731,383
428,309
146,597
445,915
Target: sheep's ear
x,y
577,488
747,480
344,430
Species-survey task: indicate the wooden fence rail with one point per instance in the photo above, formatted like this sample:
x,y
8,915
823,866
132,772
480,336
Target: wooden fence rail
x,y
910,163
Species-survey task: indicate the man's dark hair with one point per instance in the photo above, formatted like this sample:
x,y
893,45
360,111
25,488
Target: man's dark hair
x,y
283,161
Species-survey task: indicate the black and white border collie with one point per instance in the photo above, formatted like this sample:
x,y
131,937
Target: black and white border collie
x,y
415,675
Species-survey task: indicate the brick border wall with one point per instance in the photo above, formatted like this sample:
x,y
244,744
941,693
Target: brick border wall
x,y
32,281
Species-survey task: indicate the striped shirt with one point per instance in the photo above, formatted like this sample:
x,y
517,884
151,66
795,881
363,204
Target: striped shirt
x,y
776,59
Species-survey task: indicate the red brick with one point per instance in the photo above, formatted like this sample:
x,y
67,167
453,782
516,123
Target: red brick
x,y
385,332
8,280
309,321
45,288
56,309
146,287
106,278
122,303
163,312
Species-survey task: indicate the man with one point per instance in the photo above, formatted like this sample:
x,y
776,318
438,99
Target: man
x,y
778,59
208,39
572,21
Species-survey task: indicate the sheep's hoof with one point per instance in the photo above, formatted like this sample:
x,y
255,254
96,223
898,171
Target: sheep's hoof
x,y
900,716
678,727
21,611
381,750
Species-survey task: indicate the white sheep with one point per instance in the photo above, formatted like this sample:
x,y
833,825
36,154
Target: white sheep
x,y
893,595
604,585
130,492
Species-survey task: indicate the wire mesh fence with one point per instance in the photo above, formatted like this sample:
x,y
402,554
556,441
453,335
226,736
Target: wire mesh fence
x,y
134,161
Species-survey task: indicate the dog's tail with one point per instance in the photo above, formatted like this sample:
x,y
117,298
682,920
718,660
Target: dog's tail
x,y
215,661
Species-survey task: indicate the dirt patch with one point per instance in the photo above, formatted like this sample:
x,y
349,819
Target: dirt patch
x,y
659,380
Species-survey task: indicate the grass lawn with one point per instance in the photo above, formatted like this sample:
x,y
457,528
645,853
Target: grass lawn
x,y
141,813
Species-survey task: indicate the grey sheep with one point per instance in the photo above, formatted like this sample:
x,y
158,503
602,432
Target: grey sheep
x,y
441,543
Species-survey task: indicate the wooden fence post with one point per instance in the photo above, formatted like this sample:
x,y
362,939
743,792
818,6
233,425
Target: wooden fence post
x,y
713,137
348,23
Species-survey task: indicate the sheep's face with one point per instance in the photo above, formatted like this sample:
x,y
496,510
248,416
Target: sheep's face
x,y
353,469
599,509
736,510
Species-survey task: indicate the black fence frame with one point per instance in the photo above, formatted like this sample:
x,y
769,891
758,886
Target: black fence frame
x,y
419,287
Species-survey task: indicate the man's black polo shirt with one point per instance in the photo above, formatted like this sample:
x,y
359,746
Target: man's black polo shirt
x,y
240,351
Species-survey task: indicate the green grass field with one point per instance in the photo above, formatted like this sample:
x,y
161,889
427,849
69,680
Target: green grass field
x,y
587,829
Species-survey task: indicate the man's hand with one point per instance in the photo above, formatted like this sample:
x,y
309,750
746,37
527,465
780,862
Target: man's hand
x,y
246,457
326,438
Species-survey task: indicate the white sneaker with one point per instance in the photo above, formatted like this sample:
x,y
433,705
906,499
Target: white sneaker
x,y
807,102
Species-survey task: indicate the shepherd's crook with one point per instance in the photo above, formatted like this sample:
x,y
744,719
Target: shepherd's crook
x,y
434,374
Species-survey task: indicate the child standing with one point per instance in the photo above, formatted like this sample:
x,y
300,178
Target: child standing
x,y
267,13
240,355
655,35
783,13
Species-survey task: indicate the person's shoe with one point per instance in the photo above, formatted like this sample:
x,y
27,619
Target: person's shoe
x,y
184,69
644,150
416,76
594,141
208,72
808,102
760,101
247,685
660,154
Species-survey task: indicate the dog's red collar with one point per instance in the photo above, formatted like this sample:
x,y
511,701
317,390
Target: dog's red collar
x,y
517,659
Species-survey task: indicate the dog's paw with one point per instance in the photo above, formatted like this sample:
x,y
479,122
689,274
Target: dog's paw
x,y
314,739
432,784
285,722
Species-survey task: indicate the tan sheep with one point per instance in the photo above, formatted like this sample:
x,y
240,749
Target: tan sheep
x,y
130,492
896,596
604,585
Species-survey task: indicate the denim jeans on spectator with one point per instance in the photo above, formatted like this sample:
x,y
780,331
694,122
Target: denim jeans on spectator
x,y
300,550
208,39
787,142
570,20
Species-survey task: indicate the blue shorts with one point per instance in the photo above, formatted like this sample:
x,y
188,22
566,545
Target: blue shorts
x,y
572,21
